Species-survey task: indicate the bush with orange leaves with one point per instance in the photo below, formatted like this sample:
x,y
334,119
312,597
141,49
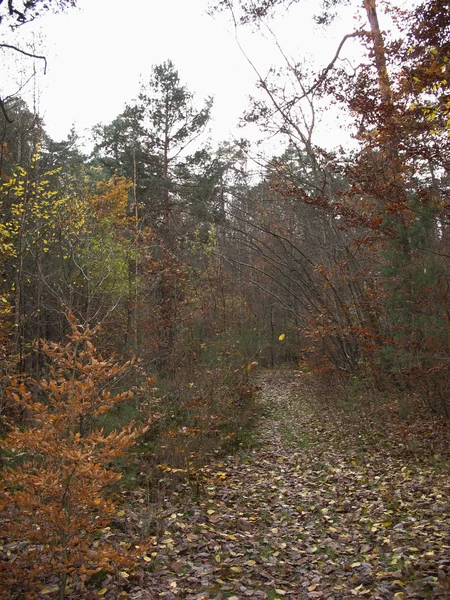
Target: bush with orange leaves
x,y
57,470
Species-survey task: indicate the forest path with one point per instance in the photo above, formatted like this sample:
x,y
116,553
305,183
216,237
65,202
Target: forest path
x,y
322,507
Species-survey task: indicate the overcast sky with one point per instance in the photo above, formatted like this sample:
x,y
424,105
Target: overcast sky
x,y
98,54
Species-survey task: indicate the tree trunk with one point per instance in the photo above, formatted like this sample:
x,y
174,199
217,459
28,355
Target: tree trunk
x,y
379,50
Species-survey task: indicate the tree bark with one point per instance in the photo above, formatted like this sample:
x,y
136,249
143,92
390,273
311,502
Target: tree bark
x,y
379,50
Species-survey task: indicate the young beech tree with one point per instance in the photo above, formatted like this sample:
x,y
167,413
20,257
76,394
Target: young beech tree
x,y
58,468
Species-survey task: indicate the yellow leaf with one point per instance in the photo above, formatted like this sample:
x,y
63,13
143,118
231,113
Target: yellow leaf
x,y
251,563
217,558
355,564
281,337
102,592
210,511
281,592
50,589
120,513
356,589
399,596
236,569
147,558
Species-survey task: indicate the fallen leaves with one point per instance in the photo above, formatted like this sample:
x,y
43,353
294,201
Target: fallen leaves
x,y
309,520
324,519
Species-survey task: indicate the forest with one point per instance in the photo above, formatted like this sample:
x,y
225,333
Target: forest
x,y
223,374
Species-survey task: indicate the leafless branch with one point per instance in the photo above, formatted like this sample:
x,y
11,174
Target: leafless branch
x,y
25,53
328,68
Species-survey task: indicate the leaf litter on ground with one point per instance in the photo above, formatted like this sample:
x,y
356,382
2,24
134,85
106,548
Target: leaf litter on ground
x,y
331,504
324,507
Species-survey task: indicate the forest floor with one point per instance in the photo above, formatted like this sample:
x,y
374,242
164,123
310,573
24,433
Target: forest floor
x,y
333,501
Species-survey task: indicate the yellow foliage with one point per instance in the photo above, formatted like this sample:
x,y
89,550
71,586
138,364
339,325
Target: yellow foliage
x,y
110,201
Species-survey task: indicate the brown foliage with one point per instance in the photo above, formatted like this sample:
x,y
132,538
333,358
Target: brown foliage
x,y
58,468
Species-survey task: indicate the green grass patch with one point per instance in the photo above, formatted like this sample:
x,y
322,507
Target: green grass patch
x,y
119,416
293,436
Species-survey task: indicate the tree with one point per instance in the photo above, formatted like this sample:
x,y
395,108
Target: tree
x,y
19,139
69,239
59,467
15,13
30,208
389,288
149,143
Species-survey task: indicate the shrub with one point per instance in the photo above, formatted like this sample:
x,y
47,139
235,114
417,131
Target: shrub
x,y
54,484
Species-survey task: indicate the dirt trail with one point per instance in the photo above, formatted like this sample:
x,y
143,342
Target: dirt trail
x,y
316,510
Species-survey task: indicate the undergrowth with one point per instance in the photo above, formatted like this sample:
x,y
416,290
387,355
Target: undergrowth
x,y
382,418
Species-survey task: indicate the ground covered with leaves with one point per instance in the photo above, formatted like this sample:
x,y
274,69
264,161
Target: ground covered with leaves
x,y
337,496
331,502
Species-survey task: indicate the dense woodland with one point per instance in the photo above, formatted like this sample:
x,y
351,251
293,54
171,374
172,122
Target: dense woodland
x,y
144,284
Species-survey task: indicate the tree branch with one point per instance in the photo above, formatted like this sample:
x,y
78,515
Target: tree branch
x,y
3,109
328,68
25,53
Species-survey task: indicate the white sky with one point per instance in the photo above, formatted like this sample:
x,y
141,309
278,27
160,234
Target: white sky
x,y
97,55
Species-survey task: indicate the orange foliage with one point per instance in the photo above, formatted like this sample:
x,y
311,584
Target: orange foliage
x,y
58,469
110,201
